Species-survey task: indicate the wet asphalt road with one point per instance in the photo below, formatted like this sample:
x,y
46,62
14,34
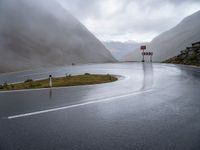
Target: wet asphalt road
x,y
150,107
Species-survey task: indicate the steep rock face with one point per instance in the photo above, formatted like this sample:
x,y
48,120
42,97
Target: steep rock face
x,y
42,33
189,56
170,43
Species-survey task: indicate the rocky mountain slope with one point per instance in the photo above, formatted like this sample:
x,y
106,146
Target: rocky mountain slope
x,y
42,33
189,56
169,43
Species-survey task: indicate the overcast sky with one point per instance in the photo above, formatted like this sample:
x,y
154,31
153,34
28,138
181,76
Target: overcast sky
x,y
125,20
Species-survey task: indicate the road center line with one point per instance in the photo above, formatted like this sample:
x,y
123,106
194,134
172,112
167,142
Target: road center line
x,y
77,105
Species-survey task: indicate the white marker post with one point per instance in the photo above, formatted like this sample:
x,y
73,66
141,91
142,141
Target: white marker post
x,y
50,81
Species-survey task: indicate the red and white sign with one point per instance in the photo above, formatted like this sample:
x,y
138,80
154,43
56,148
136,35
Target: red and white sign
x,y
143,47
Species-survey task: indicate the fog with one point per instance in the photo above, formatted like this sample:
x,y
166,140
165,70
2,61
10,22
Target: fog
x,y
35,34
120,49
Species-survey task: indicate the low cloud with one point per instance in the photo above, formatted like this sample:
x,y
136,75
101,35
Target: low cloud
x,y
130,19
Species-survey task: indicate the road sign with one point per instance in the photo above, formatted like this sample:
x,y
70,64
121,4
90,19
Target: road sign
x,y
143,47
147,53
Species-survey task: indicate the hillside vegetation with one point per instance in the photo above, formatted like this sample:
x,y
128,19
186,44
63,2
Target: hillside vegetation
x,y
189,56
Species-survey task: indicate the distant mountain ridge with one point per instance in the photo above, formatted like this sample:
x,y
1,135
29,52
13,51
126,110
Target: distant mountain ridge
x,y
171,42
120,49
36,34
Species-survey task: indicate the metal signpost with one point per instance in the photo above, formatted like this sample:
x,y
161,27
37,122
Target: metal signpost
x,y
151,56
143,47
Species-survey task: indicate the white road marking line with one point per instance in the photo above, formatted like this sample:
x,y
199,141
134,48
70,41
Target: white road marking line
x,y
77,105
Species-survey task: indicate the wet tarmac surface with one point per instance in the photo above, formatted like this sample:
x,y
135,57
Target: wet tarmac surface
x,y
151,106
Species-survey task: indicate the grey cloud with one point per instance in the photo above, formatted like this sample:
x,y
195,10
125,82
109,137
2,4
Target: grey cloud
x,y
90,7
81,8
141,16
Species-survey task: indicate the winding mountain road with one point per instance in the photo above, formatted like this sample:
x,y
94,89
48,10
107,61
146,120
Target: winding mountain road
x,y
150,107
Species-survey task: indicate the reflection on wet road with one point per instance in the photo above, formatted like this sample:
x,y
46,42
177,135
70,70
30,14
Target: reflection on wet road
x,y
147,76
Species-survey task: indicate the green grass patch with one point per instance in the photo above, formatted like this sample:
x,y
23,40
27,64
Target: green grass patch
x,y
68,80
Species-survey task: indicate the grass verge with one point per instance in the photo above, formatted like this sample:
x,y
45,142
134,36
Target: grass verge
x,y
68,80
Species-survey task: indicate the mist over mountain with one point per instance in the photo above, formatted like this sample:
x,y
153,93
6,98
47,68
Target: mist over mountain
x,y
42,33
171,42
120,49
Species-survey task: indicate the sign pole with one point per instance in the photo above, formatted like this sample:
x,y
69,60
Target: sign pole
x,y
143,56
151,56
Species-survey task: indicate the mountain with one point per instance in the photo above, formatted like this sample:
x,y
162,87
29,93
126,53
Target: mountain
x,y
36,34
171,42
188,56
120,49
